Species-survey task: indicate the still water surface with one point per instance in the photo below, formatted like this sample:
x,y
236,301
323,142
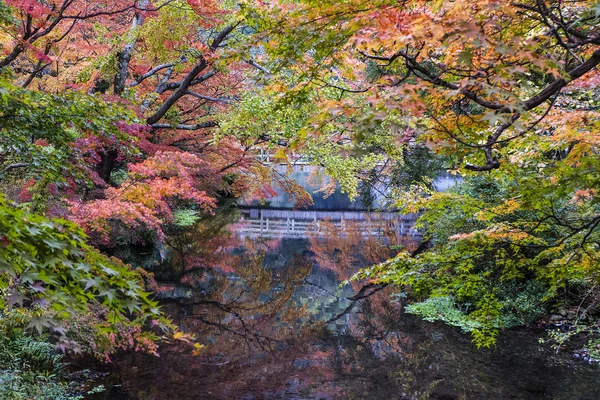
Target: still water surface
x,y
278,323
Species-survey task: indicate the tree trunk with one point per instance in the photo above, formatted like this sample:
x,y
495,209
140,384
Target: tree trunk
x,y
107,164
124,57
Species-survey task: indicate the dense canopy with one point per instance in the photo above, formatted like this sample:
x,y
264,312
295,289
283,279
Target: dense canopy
x,y
133,120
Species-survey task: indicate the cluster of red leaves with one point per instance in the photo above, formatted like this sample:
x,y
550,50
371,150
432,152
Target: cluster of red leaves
x,y
210,10
26,194
33,8
146,200
40,55
130,145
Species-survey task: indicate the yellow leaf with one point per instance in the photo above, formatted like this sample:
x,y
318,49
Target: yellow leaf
x,y
177,335
197,348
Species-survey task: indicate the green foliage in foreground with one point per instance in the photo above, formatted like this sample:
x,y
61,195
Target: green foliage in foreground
x,y
501,253
30,368
48,268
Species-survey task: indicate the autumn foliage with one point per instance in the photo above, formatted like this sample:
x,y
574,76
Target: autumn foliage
x,y
108,113
502,88
137,119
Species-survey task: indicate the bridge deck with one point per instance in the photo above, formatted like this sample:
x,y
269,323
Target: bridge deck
x,y
298,224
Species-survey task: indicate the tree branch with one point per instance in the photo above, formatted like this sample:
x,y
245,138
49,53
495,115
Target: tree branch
x,y
150,73
209,124
209,98
14,166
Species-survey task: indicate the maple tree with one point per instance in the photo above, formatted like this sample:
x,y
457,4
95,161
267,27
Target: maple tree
x,y
135,119
170,81
96,128
53,139
108,118
505,88
50,271
147,197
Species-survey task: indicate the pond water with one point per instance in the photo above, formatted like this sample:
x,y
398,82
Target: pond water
x,y
278,323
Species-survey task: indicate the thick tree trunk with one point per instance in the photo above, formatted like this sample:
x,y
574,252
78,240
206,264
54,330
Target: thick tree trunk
x,y
124,57
12,56
107,164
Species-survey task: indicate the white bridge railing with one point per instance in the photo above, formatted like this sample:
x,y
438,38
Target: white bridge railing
x,y
298,224
266,157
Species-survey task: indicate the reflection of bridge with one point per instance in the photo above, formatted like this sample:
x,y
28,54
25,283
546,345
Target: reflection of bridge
x,y
273,223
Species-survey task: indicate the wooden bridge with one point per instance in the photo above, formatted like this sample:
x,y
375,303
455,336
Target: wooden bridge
x,y
268,158
297,224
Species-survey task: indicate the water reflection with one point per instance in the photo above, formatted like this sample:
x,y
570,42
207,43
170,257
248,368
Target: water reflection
x,y
278,325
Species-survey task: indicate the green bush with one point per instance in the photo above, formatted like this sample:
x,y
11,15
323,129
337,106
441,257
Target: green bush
x,y
30,367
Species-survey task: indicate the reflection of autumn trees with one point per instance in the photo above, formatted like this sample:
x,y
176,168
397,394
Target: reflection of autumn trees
x,y
380,356
256,336
238,303
258,340
260,344
355,245
253,309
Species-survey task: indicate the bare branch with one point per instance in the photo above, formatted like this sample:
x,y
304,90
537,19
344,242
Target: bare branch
x,y
258,66
209,124
209,98
150,73
14,166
